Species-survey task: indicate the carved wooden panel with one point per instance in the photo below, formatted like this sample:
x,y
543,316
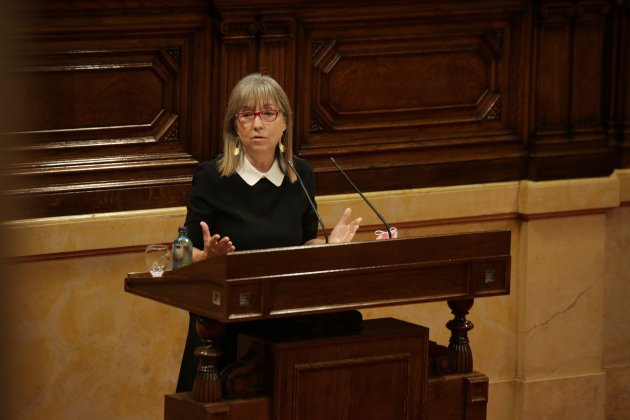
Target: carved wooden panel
x,y
620,82
569,137
251,42
469,390
392,92
108,106
121,99
378,373
397,95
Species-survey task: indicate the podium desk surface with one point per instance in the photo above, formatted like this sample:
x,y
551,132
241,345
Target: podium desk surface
x,y
279,282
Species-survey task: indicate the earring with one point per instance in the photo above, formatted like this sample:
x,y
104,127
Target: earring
x,y
237,148
281,147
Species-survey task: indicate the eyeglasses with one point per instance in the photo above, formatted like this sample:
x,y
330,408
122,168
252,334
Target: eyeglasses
x,y
248,117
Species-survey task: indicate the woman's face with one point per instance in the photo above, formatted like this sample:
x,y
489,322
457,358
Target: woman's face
x,y
259,135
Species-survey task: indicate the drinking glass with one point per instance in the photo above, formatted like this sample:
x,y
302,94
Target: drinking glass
x,y
156,257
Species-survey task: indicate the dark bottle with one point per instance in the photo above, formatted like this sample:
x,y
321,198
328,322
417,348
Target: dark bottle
x,y
182,249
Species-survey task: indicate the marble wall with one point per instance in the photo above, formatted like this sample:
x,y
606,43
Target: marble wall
x,y
616,358
557,347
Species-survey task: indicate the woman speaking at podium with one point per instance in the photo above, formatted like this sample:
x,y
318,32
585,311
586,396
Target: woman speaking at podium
x,y
256,194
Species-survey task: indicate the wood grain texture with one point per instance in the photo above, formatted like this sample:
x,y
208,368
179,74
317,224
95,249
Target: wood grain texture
x,y
120,99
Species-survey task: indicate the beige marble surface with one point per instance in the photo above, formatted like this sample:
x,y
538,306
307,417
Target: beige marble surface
x,y
93,232
81,348
617,322
556,347
561,303
569,195
580,397
617,293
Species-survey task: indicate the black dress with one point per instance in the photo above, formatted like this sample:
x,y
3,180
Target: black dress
x,y
253,217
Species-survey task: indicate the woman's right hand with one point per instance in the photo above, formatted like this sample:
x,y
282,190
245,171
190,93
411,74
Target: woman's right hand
x,y
213,245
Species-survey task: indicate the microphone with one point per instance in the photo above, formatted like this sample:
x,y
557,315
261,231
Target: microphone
x,y
363,197
313,206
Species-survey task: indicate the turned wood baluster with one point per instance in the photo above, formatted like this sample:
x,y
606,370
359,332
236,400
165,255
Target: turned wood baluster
x,y
207,385
459,349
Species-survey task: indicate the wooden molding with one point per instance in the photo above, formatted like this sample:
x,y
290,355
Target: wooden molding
x,y
120,100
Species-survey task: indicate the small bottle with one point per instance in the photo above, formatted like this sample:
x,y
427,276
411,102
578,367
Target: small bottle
x,y
182,249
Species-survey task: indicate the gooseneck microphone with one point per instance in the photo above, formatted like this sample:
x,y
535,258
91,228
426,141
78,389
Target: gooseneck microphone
x,y
313,206
363,197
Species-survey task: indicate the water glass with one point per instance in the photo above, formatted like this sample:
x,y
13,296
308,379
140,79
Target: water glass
x,y
156,257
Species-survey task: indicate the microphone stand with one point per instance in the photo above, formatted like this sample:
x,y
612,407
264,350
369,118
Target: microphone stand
x,y
363,197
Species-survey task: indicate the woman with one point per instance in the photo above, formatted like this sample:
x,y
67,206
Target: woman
x,y
248,198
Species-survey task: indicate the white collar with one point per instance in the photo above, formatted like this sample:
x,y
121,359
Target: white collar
x,y
251,175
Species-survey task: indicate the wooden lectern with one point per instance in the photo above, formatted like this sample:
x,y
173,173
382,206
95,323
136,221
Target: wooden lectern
x,y
303,350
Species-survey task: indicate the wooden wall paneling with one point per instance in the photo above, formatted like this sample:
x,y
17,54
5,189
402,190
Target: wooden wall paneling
x,y
624,85
252,42
202,87
620,83
551,86
89,7
569,129
237,58
108,99
276,54
587,78
518,45
124,98
407,97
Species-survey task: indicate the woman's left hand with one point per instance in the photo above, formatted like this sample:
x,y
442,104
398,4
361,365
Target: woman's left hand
x,y
344,231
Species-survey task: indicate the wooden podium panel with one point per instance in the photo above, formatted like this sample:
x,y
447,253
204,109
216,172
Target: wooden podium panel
x,y
378,373
457,397
451,397
282,282
182,407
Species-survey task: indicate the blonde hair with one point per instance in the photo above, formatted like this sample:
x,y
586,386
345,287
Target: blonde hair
x,y
250,91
